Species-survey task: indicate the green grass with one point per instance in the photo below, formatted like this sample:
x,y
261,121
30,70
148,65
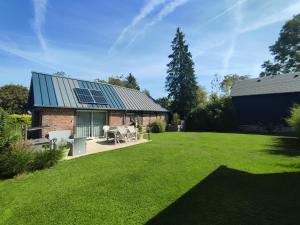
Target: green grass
x,y
178,178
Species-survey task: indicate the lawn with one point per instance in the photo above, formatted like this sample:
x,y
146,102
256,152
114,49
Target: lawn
x,y
178,178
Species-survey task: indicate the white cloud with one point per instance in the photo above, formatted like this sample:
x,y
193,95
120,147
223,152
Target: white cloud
x,y
145,11
238,16
166,10
224,12
223,41
33,56
279,16
40,9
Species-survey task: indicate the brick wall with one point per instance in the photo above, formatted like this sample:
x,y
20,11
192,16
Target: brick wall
x,y
64,119
163,116
152,117
57,119
116,118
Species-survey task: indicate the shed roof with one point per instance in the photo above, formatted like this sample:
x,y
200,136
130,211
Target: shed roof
x,y
57,91
285,83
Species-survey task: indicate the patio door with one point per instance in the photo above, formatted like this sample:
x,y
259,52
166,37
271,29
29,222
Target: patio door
x,y
83,124
99,120
90,124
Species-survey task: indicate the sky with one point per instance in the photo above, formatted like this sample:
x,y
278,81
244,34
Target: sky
x,y
98,38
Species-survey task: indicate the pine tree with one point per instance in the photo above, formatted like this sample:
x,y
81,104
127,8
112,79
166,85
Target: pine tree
x,y
131,82
181,81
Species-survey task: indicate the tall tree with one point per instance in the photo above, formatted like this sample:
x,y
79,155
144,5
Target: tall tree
x,y
13,98
286,50
131,82
181,81
201,96
116,80
147,92
229,80
164,102
215,84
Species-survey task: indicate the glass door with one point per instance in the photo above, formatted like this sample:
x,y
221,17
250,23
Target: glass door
x,y
99,120
83,124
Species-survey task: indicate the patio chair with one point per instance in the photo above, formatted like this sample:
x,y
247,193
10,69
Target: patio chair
x,y
131,133
105,129
121,134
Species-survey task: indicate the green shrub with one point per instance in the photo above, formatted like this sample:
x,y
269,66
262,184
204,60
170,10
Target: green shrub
x,y
45,158
175,119
10,132
21,119
158,126
17,156
217,115
294,120
15,160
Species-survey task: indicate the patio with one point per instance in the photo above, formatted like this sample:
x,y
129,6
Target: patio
x,y
97,145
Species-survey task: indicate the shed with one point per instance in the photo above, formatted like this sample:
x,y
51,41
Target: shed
x,y
266,102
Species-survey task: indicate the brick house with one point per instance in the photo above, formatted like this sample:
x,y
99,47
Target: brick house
x,y
84,107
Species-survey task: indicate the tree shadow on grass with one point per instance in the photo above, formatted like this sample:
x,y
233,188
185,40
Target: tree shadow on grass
x,y
288,146
233,197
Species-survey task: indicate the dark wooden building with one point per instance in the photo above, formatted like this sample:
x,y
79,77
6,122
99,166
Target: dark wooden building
x,y
264,103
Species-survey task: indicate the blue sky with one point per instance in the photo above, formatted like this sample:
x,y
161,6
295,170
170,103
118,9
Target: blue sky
x,y
96,39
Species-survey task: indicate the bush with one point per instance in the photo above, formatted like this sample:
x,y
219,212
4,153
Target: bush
x,y
175,119
45,158
217,115
158,126
139,125
17,156
21,119
10,132
294,120
15,160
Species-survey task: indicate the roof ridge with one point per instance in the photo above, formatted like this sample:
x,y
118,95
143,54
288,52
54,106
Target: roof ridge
x,y
282,83
68,77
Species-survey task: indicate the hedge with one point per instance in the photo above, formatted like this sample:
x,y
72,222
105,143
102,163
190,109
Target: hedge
x,y
21,119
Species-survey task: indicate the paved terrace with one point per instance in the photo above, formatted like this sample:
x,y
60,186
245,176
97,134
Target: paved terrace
x,y
101,145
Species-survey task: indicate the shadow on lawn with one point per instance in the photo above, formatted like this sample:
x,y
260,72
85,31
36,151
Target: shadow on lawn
x,y
233,197
289,146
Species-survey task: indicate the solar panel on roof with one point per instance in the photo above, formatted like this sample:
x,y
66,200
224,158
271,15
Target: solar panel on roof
x,y
98,97
84,95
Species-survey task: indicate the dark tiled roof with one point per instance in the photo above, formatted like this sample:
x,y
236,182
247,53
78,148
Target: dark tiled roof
x,y
57,91
285,83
